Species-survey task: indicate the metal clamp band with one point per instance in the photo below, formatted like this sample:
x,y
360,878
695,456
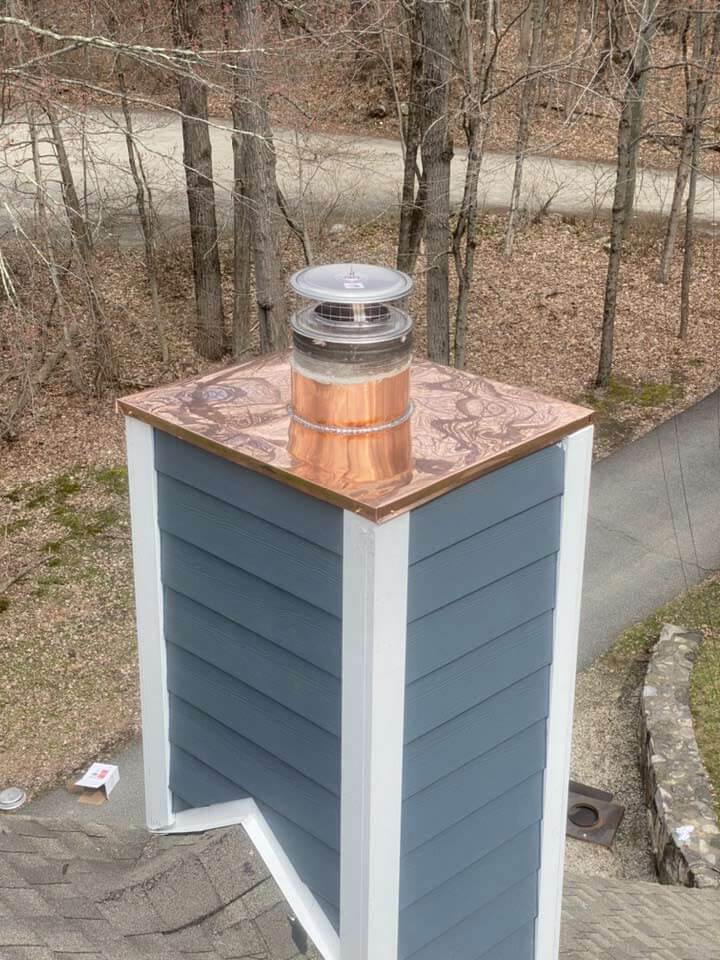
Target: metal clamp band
x,y
352,431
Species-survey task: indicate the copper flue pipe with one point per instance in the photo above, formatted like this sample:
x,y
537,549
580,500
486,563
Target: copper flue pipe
x,y
360,458
368,403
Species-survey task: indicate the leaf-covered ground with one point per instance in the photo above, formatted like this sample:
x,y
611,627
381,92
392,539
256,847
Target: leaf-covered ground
x,y
67,663
68,675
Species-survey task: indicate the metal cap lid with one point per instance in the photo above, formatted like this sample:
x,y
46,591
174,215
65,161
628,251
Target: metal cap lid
x,y
351,283
11,798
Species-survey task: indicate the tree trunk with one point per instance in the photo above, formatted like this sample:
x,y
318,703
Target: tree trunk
x,y
106,374
683,168
197,158
527,106
475,122
671,230
143,199
526,24
571,97
612,38
412,204
689,235
625,148
242,243
437,154
708,65
636,119
261,182
68,325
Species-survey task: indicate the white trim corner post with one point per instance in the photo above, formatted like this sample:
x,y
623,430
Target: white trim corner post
x,y
375,575
571,555
154,700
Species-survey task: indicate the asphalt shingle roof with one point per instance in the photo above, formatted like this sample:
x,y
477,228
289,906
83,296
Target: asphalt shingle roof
x,y
93,892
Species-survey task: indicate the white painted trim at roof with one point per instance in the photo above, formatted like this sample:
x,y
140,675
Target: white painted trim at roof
x,y
571,555
142,481
246,813
375,575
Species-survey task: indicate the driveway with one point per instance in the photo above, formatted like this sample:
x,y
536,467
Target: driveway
x,y
338,177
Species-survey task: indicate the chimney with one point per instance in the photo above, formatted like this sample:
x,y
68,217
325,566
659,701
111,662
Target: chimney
x,y
358,582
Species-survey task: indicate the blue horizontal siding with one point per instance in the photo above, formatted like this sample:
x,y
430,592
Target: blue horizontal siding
x,y
197,784
456,796
468,891
455,743
202,786
460,685
520,945
293,682
320,864
487,556
481,598
488,927
480,616
332,912
303,745
264,777
251,574
435,862
256,546
486,501
275,614
268,499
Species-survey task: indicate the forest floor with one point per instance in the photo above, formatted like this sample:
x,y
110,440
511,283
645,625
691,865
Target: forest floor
x,y
324,76
67,659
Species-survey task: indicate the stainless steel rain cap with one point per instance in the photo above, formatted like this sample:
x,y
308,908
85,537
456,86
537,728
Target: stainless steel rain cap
x,y
351,283
352,318
11,798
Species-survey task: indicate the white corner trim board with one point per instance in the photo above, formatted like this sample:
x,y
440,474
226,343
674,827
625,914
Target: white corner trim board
x,y
375,574
246,813
142,482
571,555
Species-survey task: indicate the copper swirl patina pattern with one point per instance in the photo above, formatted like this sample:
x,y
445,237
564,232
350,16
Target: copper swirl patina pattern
x,y
462,426
367,403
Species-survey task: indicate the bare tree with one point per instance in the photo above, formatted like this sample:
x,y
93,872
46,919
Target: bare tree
x,y
585,26
242,241
477,82
437,151
143,196
698,72
197,158
106,374
527,106
252,123
626,159
412,203
706,62
683,167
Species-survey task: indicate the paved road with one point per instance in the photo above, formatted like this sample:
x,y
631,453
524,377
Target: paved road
x,y
70,890
634,562
338,177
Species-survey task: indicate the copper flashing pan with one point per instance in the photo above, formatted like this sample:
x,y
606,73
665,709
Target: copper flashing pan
x,y
462,426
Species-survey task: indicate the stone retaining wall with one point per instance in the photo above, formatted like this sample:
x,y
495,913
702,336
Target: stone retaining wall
x,y
683,828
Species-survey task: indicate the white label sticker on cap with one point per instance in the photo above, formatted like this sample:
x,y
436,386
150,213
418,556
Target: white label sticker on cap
x,y
352,283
